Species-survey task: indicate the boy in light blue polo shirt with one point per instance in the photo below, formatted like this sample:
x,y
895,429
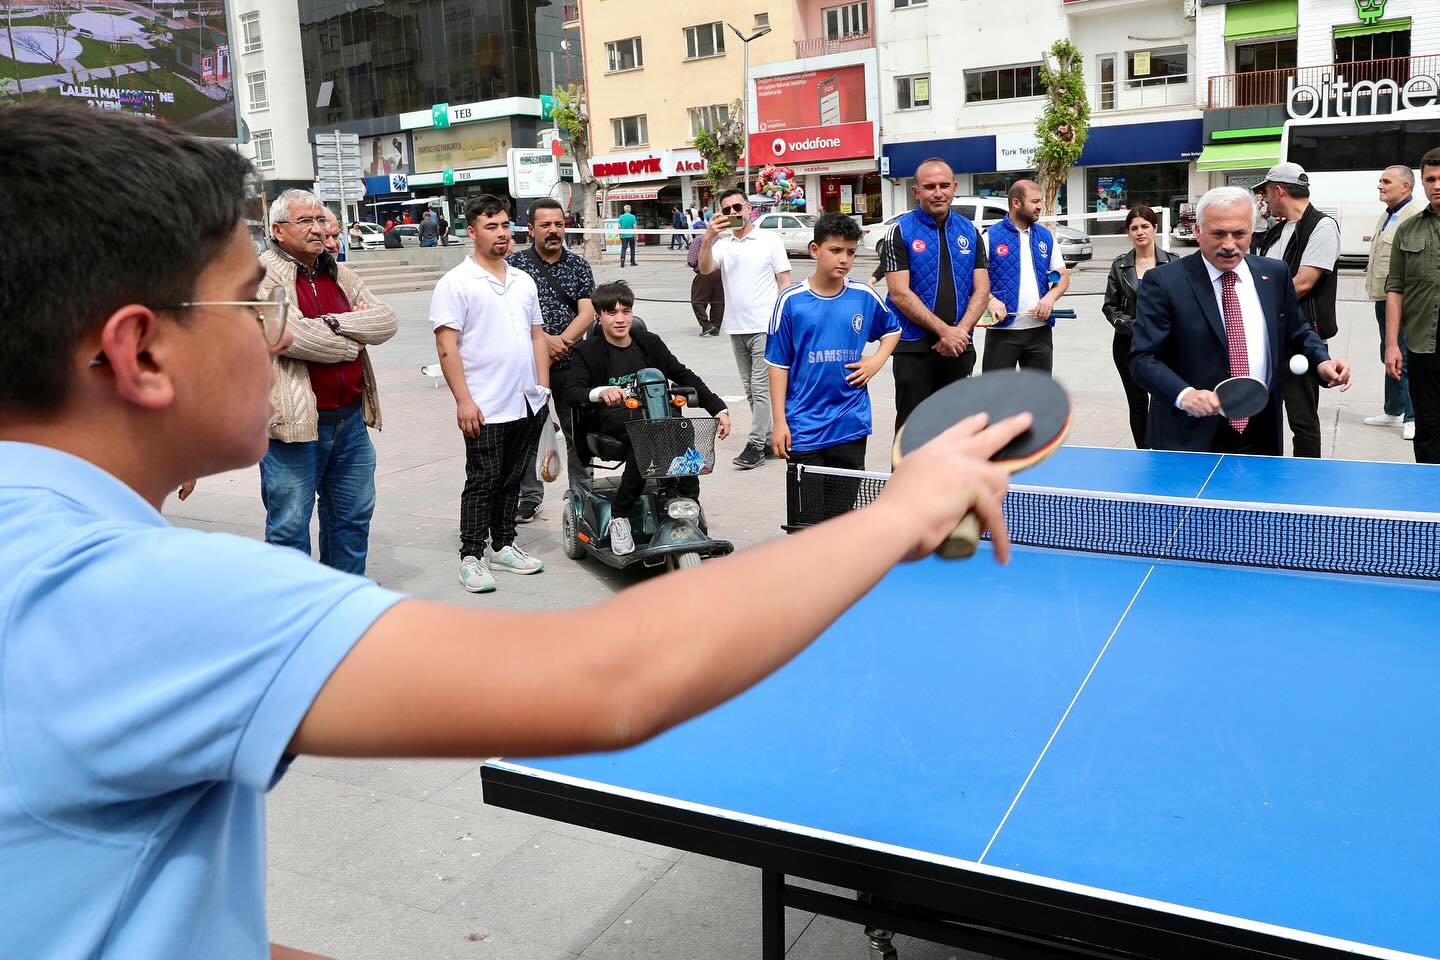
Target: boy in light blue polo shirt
x,y
154,682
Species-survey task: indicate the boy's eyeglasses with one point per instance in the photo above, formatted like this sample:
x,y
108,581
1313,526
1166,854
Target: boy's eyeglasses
x,y
272,313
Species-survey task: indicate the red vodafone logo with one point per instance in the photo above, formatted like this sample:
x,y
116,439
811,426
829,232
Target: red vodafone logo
x,y
917,245
1003,250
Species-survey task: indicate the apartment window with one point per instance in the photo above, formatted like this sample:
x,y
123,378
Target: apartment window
x,y
762,20
1003,83
911,93
264,149
1372,46
259,95
902,4
250,31
630,131
625,54
706,40
1265,55
846,20
1149,68
712,117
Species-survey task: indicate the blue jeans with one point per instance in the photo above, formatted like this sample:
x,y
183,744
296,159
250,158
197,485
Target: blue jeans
x,y
339,469
1397,392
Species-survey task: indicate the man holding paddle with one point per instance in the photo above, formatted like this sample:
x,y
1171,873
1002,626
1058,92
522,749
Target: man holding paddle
x,y
1212,334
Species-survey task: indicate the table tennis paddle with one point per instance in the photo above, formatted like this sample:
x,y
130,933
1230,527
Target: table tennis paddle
x,y
1059,313
1000,395
1242,397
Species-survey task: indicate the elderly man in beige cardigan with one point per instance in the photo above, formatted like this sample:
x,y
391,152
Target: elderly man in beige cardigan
x,y
324,392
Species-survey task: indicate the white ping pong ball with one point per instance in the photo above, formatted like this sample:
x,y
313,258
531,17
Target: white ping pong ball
x,y
1298,364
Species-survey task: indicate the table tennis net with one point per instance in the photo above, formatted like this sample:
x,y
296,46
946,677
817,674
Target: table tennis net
x,y
1313,539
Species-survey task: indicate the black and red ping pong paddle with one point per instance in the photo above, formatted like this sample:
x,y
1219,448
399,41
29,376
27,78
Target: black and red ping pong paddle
x,y
1000,395
1242,397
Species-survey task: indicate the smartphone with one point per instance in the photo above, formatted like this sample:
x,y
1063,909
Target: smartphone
x,y
736,222
829,101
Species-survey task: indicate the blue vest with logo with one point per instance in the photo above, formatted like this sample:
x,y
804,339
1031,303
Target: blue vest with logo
x,y
1005,264
922,237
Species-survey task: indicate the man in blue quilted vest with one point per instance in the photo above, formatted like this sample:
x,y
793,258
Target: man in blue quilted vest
x,y
1027,278
935,276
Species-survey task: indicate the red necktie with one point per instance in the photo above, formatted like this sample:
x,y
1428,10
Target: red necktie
x,y
1234,335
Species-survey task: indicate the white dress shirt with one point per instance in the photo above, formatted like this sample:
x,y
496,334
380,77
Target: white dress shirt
x,y
1257,349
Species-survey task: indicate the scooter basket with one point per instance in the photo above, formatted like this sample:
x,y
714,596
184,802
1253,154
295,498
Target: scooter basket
x,y
673,447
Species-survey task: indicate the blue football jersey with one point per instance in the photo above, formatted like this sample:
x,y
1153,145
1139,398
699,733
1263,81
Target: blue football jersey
x,y
814,337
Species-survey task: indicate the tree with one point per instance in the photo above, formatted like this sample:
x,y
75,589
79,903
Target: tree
x,y
570,116
722,149
1061,130
17,89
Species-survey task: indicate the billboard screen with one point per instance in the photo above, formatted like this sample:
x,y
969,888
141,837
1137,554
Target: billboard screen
x,y
382,156
815,98
467,145
165,61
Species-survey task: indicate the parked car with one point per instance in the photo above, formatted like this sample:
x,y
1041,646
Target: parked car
x,y
1075,245
796,230
1184,232
371,236
409,232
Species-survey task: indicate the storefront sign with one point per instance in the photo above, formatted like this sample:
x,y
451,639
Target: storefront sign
x,y
814,144
470,145
1338,97
1014,151
814,98
1369,11
866,165
532,173
626,168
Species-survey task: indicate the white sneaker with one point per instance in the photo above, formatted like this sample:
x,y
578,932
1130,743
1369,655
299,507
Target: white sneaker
x,y
1408,432
622,542
475,575
1384,420
514,560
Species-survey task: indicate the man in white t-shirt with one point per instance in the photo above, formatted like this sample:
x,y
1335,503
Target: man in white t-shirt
x,y
495,357
754,269
1027,278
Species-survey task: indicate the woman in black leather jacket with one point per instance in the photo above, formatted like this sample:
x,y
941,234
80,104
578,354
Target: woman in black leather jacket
x,y
1121,291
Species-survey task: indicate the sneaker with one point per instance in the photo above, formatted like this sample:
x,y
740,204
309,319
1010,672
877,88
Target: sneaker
x,y
1408,431
751,457
514,560
622,541
1384,420
475,575
527,512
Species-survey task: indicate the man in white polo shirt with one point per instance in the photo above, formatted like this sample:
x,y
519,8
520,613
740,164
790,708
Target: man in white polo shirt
x,y
486,318
753,269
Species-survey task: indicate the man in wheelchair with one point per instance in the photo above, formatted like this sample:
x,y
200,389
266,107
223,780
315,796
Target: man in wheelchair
x,y
603,369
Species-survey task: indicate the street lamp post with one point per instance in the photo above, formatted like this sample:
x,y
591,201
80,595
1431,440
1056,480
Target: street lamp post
x,y
745,98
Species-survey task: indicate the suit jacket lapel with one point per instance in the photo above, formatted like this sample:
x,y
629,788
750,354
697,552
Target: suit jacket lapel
x,y
1205,294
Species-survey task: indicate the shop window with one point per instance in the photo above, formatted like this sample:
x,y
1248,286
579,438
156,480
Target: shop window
x,y
630,131
912,93
1146,68
1114,190
706,40
712,117
625,54
846,20
250,31
1003,83
259,95
264,147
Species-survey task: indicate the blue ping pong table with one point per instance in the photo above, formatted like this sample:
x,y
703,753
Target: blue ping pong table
x,y
1082,754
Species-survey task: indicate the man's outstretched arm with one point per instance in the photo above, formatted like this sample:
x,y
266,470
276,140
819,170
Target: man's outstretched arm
x,y
429,679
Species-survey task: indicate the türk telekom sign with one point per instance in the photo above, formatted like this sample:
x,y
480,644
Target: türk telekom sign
x,y
632,167
841,141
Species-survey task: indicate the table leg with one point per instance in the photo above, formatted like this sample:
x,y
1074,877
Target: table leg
x,y
772,915
881,940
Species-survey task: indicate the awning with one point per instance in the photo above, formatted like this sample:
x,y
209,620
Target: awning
x,y
1365,29
1260,155
1261,18
639,191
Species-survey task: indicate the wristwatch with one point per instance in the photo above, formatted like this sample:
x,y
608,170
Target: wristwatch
x,y
332,322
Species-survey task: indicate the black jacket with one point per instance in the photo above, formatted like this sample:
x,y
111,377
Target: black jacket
x,y
587,369
1122,288
1179,341
1319,303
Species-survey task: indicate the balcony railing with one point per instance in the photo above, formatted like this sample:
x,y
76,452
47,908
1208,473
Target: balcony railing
x,y
1265,88
1143,94
820,46
570,14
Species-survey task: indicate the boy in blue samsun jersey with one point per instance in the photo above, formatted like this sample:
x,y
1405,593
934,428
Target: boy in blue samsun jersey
x,y
818,367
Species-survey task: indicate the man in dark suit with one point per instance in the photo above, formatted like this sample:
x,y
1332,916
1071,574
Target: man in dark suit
x,y
1220,314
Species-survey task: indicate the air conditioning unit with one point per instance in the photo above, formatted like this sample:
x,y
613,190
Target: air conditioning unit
x,y
1190,8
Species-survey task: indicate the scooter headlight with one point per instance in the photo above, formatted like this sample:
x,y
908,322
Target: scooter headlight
x,y
682,509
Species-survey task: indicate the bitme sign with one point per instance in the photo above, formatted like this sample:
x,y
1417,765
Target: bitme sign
x,y
1338,97
838,142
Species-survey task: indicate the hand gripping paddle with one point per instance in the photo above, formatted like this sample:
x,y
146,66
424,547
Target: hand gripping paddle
x,y
1242,397
1000,395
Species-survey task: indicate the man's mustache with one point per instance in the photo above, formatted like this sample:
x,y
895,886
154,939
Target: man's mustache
x,y
1228,252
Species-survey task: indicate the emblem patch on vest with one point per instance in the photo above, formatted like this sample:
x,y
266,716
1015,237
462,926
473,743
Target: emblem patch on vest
x,y
1003,250
963,242
917,245
1044,247
856,322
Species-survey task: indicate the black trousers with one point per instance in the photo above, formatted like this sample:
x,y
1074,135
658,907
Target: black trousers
x,y
1135,396
824,497
921,373
707,296
627,243
494,461
1029,349
1261,437
1425,395
1302,407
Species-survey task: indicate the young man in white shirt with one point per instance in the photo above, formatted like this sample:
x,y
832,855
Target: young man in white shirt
x,y
495,357
754,269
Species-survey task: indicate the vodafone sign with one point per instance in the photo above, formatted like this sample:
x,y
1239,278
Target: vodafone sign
x,y
812,144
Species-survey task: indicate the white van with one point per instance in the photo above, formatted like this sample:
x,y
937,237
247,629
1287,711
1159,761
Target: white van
x,y
1075,245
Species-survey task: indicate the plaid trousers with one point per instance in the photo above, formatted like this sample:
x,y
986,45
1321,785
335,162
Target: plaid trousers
x,y
494,463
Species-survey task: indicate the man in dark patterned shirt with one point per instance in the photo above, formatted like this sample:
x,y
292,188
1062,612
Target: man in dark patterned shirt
x,y
565,283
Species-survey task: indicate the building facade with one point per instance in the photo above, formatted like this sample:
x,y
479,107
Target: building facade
x,y
269,77
975,103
